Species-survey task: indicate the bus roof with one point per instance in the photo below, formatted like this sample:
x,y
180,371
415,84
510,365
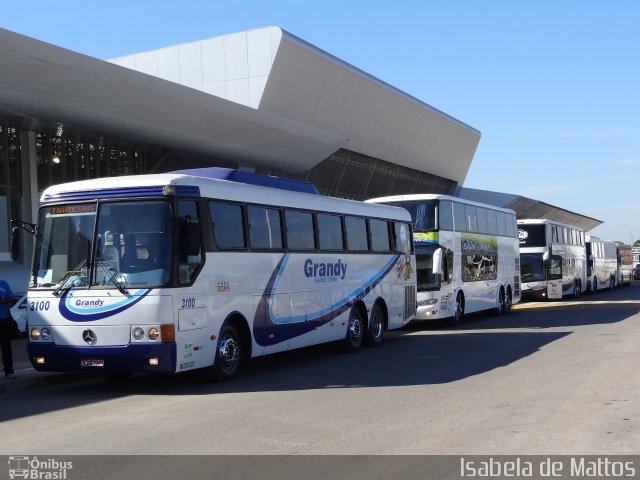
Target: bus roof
x,y
413,197
544,221
154,185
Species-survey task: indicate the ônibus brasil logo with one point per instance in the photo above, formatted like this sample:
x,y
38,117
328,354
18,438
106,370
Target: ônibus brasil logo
x,y
34,468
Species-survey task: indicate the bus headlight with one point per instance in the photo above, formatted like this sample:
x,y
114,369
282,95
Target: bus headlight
x,y
45,334
34,334
153,333
138,333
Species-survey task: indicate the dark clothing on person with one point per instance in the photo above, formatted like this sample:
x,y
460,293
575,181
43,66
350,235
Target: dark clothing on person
x,y
6,328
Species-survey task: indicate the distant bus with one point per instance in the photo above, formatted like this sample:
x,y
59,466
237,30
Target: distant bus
x,y
173,272
602,264
625,264
553,259
467,256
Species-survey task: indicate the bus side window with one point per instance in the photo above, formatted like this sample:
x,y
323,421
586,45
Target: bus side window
x,y
190,246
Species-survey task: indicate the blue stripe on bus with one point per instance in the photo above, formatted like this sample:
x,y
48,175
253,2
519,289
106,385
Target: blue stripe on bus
x,y
266,332
68,311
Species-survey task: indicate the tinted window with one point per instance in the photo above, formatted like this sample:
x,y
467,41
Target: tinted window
x,y
299,230
459,217
482,220
356,234
445,216
511,225
401,237
228,227
264,228
471,216
379,235
531,235
502,224
492,222
330,232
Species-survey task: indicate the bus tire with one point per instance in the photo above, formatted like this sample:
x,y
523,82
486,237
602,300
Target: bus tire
x,y
576,289
458,312
355,329
375,332
509,300
594,285
500,303
228,353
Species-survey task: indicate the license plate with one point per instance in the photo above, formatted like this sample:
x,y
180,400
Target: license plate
x,y
91,362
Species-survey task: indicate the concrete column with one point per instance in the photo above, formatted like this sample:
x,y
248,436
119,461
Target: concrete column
x,y
29,189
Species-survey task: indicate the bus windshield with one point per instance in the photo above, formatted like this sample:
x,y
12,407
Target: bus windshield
x,y
423,214
107,244
532,267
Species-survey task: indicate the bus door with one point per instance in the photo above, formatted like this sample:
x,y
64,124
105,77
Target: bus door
x,y
554,277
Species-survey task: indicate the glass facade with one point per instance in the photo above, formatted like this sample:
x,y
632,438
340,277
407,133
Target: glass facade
x,y
59,158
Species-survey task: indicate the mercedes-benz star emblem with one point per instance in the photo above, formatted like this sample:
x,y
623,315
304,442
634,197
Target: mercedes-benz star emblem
x,y
89,337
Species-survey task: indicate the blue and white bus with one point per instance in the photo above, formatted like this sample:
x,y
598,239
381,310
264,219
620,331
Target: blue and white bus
x,y
467,257
174,272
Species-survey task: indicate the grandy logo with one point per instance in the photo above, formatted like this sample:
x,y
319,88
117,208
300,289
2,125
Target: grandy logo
x,y
33,468
322,270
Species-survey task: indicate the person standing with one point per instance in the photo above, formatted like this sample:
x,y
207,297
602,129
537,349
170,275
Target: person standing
x,y
6,329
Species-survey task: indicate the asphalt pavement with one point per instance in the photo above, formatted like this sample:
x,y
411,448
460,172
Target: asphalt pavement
x,y
27,376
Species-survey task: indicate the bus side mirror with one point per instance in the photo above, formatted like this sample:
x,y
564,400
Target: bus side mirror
x,y
437,261
15,243
545,260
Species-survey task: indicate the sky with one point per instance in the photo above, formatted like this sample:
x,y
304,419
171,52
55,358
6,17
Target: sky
x,y
553,86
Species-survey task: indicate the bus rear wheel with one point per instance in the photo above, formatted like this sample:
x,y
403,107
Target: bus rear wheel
x,y
375,332
355,328
228,353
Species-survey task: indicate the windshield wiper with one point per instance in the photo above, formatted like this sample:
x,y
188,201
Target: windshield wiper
x,y
67,276
120,285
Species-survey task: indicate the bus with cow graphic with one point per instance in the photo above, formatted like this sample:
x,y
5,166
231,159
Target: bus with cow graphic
x,y
467,256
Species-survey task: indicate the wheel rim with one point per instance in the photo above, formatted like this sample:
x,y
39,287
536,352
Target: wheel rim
x,y
501,304
229,353
355,329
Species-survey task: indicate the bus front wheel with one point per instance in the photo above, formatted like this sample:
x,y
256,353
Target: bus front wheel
x,y
355,328
228,353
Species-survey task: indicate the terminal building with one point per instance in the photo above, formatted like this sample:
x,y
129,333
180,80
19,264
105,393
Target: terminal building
x,y
262,100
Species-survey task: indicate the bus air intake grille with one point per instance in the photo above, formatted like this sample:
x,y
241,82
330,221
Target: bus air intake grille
x,y
410,304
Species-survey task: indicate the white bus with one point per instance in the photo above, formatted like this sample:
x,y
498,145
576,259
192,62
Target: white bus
x,y
625,265
174,272
553,260
602,264
466,255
